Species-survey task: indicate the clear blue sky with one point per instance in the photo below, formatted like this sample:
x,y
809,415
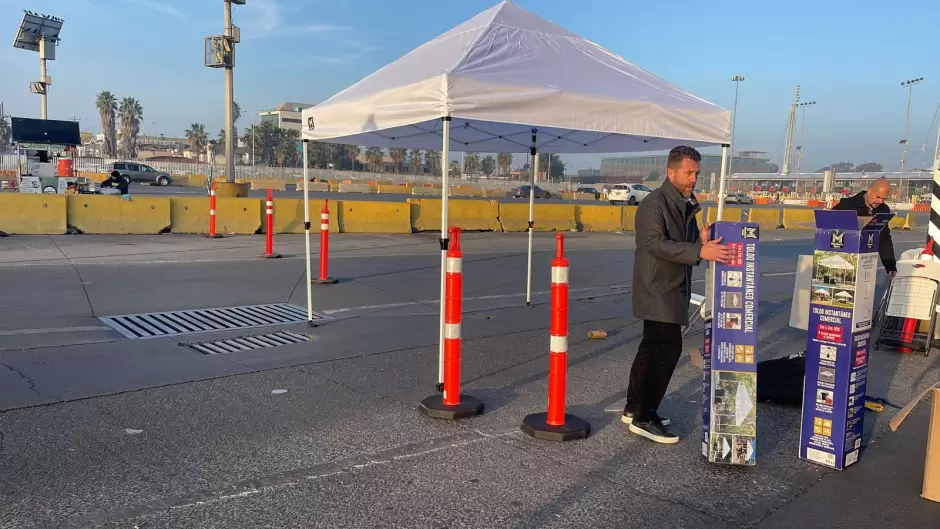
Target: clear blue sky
x,y
849,55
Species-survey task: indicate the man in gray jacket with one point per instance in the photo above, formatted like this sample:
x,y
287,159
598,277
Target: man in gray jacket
x,y
668,245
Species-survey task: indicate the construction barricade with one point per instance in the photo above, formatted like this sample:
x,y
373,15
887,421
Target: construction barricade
x,y
374,217
547,217
30,214
468,215
599,218
99,214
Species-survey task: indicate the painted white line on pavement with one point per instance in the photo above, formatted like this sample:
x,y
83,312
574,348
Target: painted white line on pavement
x,y
476,298
56,329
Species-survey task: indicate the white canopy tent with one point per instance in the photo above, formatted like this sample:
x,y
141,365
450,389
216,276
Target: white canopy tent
x,y
508,80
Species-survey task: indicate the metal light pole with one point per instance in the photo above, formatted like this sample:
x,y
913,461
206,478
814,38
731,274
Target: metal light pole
x,y
734,114
220,53
907,126
799,148
40,33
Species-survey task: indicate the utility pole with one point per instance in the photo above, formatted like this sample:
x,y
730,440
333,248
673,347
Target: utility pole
x,y
220,53
799,148
907,127
734,115
790,123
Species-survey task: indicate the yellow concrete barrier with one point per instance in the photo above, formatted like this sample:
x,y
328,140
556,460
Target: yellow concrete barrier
x,y
393,189
766,218
730,214
289,215
141,215
274,185
494,193
470,215
194,180
799,219
30,214
548,217
374,217
231,190
599,218
233,215
910,223
466,191
628,220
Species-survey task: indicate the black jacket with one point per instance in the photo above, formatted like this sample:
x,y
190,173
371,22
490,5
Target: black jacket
x,y
121,183
668,245
886,245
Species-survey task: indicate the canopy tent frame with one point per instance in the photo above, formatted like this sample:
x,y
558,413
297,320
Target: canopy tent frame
x,y
385,109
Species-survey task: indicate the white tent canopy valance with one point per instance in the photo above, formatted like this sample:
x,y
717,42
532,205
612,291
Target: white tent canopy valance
x,y
505,72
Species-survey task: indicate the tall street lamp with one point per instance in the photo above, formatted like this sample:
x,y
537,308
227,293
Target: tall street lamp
x,y
734,114
909,84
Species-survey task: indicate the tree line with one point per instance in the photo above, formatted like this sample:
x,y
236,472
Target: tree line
x,y
849,167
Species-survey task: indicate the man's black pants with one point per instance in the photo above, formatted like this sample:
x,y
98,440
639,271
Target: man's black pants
x,y
656,360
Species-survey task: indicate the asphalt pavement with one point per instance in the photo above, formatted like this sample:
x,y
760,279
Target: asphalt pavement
x,y
97,430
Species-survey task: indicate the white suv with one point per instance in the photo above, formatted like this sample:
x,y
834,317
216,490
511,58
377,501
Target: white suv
x,y
631,194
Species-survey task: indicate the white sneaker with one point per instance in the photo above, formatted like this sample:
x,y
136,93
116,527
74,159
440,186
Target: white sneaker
x,y
627,418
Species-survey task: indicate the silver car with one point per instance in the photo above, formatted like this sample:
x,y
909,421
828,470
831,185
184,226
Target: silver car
x,y
138,172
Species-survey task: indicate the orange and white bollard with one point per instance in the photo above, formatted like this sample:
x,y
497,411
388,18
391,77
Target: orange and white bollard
x,y
556,425
451,404
269,228
325,278
212,234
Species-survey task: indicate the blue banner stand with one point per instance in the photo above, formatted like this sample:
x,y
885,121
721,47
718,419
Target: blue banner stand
x,y
729,410
845,267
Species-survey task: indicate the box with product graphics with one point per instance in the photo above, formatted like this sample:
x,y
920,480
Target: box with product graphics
x,y
842,295
729,411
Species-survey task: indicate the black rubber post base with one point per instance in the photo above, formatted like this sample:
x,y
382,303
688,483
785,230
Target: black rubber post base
x,y
312,323
575,428
435,408
439,387
327,281
216,236
270,256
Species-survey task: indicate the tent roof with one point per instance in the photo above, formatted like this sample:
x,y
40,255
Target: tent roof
x,y
505,72
836,261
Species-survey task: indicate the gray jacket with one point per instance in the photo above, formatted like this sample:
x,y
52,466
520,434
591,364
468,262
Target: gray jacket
x,y
667,247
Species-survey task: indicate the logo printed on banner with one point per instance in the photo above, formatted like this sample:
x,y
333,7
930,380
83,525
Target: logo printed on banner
x,y
871,240
838,239
750,232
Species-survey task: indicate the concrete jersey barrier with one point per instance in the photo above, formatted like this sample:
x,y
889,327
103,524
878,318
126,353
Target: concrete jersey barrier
x,y
468,215
100,214
599,218
547,217
354,188
28,214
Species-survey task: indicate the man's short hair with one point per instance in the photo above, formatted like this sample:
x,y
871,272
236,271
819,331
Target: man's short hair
x,y
677,154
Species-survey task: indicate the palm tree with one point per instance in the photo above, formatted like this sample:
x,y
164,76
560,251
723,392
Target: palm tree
x,y
351,152
432,159
398,156
471,162
236,115
219,147
488,165
106,104
5,133
453,168
197,138
286,147
415,161
375,157
504,159
130,113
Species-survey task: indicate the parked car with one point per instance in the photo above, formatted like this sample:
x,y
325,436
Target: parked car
x,y
738,198
138,172
590,191
631,194
523,192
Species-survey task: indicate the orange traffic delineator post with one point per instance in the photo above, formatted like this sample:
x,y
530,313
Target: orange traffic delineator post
x,y
910,324
269,228
212,234
325,278
451,404
555,424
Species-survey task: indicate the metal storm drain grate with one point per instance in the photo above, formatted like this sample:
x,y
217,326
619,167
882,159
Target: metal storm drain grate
x,y
247,343
159,324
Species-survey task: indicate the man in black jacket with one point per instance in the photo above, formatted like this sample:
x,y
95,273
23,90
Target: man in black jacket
x,y
866,204
668,245
115,180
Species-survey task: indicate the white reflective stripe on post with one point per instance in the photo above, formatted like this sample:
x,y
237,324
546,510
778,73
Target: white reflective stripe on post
x,y
212,193
560,274
269,211
325,216
212,212
454,265
269,203
324,227
452,331
559,344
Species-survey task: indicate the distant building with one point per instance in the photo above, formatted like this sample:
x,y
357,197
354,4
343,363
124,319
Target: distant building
x,y
589,173
653,167
285,116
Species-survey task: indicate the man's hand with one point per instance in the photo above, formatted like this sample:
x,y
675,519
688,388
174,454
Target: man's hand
x,y
712,251
705,233
891,275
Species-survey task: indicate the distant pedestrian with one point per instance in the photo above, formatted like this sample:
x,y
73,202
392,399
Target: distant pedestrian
x,y
668,245
115,180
